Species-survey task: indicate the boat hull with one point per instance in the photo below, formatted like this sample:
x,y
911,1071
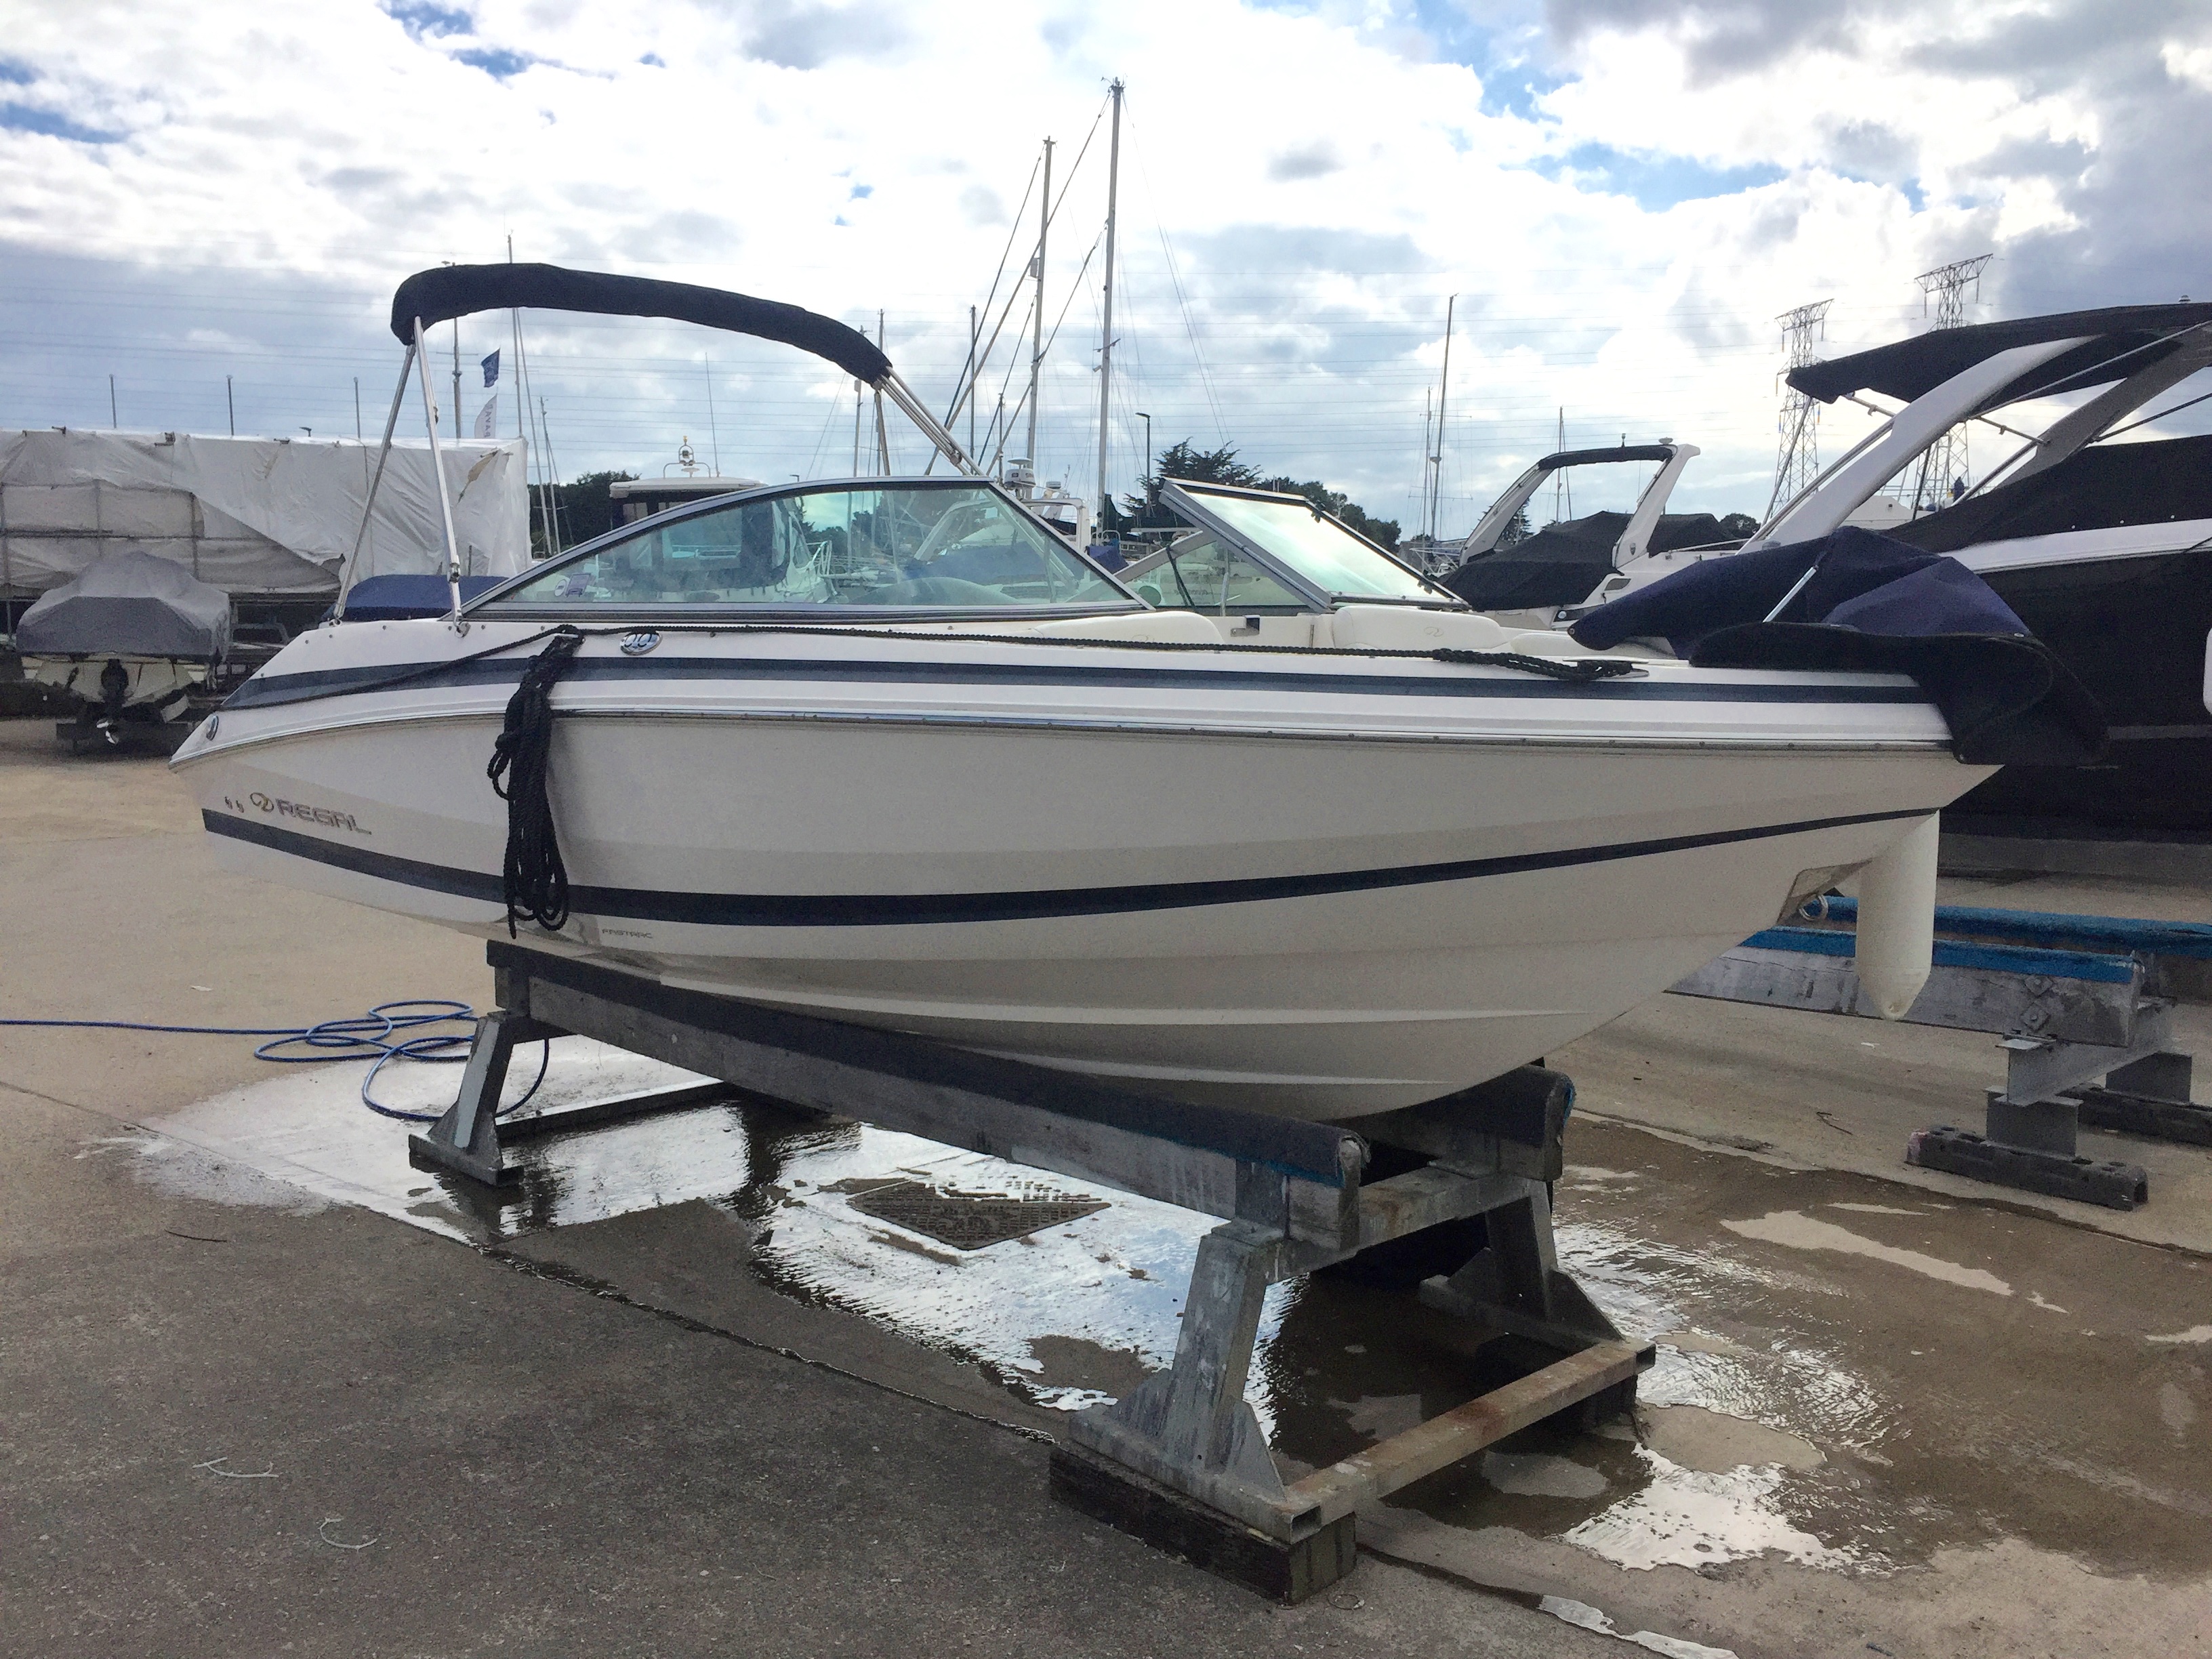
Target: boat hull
x,y
1298,902
2155,778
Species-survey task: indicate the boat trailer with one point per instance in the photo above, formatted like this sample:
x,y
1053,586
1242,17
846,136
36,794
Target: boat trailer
x,y
2072,1000
1453,1195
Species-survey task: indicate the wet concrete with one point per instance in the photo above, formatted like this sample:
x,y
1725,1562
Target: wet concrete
x,y
1885,1416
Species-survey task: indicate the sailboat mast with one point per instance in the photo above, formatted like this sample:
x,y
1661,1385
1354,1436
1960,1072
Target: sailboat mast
x,y
1036,336
1428,415
1443,390
1106,336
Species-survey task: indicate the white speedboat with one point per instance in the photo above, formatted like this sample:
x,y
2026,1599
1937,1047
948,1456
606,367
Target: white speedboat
x,y
890,751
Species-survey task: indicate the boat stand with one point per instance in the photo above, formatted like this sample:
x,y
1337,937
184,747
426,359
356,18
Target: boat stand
x,y
2073,998
1182,1461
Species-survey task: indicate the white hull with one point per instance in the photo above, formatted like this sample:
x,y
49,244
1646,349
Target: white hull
x,y
1261,879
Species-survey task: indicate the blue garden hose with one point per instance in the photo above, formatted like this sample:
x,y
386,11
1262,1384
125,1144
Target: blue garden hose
x,y
370,1036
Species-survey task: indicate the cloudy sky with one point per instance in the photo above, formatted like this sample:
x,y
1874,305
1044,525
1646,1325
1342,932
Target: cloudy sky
x,y
1622,194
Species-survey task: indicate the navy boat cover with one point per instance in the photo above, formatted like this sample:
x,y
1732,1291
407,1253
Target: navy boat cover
x,y
397,598
1873,605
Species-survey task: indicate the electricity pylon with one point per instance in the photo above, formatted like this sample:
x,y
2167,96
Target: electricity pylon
x,y
1797,462
1944,466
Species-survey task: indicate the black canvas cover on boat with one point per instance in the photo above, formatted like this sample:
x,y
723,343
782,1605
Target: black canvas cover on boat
x,y
1564,563
449,291
1907,369
1560,564
1873,604
2105,484
127,604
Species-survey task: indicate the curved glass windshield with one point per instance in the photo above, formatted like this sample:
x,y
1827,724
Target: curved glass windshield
x,y
1201,573
953,546
1320,549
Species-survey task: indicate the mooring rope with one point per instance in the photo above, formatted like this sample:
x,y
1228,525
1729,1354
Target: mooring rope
x,y
534,880
1579,670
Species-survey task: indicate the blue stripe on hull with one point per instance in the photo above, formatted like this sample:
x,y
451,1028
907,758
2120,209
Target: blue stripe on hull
x,y
262,691
911,909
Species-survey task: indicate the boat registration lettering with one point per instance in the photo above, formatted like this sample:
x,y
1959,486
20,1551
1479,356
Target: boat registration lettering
x,y
275,806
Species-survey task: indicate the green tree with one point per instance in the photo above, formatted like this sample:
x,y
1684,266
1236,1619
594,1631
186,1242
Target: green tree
x,y
585,508
1740,525
1185,460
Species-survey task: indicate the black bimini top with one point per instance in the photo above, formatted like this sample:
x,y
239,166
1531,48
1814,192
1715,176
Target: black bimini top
x,y
2121,339
439,295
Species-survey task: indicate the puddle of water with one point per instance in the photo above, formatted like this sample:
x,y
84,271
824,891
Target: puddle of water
x,y
1766,1367
1541,1475
1584,1616
1693,1518
1715,1443
1802,1232
178,1169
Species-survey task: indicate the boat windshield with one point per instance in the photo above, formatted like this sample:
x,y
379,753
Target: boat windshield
x,y
1315,547
921,545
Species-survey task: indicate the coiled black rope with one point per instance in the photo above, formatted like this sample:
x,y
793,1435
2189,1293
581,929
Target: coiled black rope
x,y
535,882
1580,670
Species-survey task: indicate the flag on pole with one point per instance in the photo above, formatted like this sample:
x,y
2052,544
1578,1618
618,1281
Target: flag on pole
x,y
491,369
487,418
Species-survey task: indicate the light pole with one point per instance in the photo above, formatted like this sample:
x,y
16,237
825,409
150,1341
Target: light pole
x,y
1145,477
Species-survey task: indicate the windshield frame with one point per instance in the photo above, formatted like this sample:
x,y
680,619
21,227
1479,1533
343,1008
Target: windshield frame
x,y
1186,497
560,610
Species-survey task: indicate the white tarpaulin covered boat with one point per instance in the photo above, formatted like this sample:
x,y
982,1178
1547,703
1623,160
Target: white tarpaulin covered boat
x,y
267,518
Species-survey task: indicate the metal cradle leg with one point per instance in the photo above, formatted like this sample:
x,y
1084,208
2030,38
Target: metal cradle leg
x,y
1190,1428
466,1139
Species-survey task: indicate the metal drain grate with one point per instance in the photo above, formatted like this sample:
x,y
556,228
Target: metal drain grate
x,y
967,1221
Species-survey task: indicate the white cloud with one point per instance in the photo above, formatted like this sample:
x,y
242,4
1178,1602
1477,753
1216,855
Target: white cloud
x,y
1325,178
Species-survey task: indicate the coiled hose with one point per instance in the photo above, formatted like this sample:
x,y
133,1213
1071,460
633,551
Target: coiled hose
x,y
367,1036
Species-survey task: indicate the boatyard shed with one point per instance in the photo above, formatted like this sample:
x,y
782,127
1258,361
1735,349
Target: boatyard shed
x,y
265,518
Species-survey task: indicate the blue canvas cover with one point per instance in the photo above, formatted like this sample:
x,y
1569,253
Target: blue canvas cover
x,y
1872,604
397,598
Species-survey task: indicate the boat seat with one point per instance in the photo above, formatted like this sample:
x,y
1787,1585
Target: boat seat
x,y
1556,643
1400,628
1150,627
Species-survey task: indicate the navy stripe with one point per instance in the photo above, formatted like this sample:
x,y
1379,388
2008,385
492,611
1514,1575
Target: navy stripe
x,y
907,909
508,671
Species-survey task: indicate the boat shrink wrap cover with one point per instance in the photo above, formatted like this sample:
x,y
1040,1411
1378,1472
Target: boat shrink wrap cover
x,y
256,516
1873,605
127,604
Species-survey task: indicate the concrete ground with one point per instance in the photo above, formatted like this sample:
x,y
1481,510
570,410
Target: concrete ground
x,y
266,1390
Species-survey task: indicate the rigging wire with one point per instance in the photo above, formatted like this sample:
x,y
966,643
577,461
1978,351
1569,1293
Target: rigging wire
x,y
1013,229
1175,277
1052,215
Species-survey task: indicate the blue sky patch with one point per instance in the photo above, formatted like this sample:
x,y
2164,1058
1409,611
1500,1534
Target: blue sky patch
x,y
1656,181
862,192
497,62
15,74
422,17
21,118
655,59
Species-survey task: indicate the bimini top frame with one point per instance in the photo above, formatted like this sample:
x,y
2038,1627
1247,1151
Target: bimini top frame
x,y
1635,535
439,295
2133,352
